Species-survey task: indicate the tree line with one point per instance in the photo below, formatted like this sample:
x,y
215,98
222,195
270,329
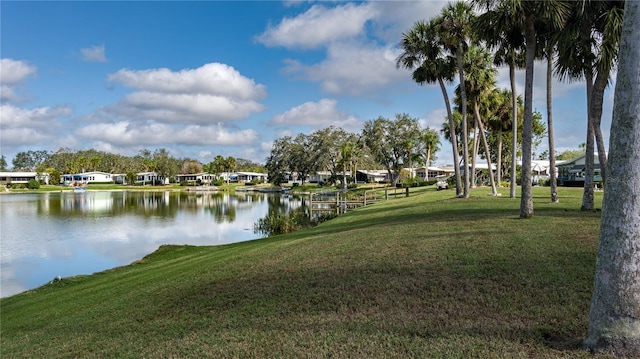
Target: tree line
x,y
160,161
383,144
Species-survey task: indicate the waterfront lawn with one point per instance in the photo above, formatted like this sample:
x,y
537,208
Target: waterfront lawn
x,y
426,276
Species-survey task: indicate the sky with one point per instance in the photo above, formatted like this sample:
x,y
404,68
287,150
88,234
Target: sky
x,y
207,78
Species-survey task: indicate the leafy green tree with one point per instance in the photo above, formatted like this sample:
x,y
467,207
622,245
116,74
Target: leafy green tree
x,y
569,154
3,163
277,163
29,160
387,141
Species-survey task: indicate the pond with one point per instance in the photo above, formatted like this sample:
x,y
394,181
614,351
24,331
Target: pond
x,y
46,235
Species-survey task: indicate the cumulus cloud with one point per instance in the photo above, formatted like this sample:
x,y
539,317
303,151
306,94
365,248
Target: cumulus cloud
x,y
352,68
318,114
94,54
209,94
319,25
21,126
12,74
125,133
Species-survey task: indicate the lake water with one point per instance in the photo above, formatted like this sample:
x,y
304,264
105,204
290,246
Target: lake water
x,y
46,235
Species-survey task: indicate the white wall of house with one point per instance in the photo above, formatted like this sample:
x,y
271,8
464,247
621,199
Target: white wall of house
x,y
23,177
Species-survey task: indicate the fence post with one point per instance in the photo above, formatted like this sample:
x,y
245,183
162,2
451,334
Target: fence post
x,y
407,192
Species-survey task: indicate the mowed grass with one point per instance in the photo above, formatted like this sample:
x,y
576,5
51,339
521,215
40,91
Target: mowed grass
x,y
428,276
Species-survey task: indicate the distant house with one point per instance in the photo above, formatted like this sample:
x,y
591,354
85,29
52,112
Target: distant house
x,y
87,177
433,173
250,176
23,177
572,172
151,178
203,178
367,176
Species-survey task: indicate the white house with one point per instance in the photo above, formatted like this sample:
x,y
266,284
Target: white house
x,y
151,178
87,177
250,176
433,173
23,177
372,176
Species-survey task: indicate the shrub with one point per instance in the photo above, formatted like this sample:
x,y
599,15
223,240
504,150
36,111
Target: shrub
x,y
280,223
33,184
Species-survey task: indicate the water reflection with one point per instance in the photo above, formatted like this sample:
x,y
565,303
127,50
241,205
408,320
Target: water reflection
x,y
46,235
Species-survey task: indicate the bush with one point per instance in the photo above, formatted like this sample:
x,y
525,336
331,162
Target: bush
x,y
279,223
33,184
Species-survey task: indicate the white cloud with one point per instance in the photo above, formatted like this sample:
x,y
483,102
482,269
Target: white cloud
x,y
94,54
209,94
319,25
151,133
21,126
12,74
318,114
352,68
40,117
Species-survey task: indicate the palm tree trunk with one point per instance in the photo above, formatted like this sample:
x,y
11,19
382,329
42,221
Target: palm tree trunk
x,y
476,110
454,139
597,96
465,130
614,323
499,159
526,201
474,154
552,150
587,196
514,128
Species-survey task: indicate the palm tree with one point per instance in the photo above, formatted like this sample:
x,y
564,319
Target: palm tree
x,y
423,51
615,304
231,165
554,12
502,27
455,29
499,110
480,81
594,33
431,142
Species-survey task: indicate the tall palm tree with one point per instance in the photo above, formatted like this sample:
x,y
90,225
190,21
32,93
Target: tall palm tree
x,y
480,80
499,110
615,303
555,12
423,53
502,27
593,32
455,31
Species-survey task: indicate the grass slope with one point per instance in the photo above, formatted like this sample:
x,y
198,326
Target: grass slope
x,y
424,276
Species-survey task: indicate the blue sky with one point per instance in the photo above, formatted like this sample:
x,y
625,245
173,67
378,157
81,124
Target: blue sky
x,y
207,78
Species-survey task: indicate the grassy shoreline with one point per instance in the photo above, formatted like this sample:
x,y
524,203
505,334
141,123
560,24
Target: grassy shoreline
x,y
424,276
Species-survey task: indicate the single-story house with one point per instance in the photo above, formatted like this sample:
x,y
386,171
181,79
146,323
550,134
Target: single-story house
x,y
571,173
433,173
250,176
87,177
372,176
151,178
205,178
23,177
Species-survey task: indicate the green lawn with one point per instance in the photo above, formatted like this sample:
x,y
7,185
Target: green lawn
x,y
428,276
